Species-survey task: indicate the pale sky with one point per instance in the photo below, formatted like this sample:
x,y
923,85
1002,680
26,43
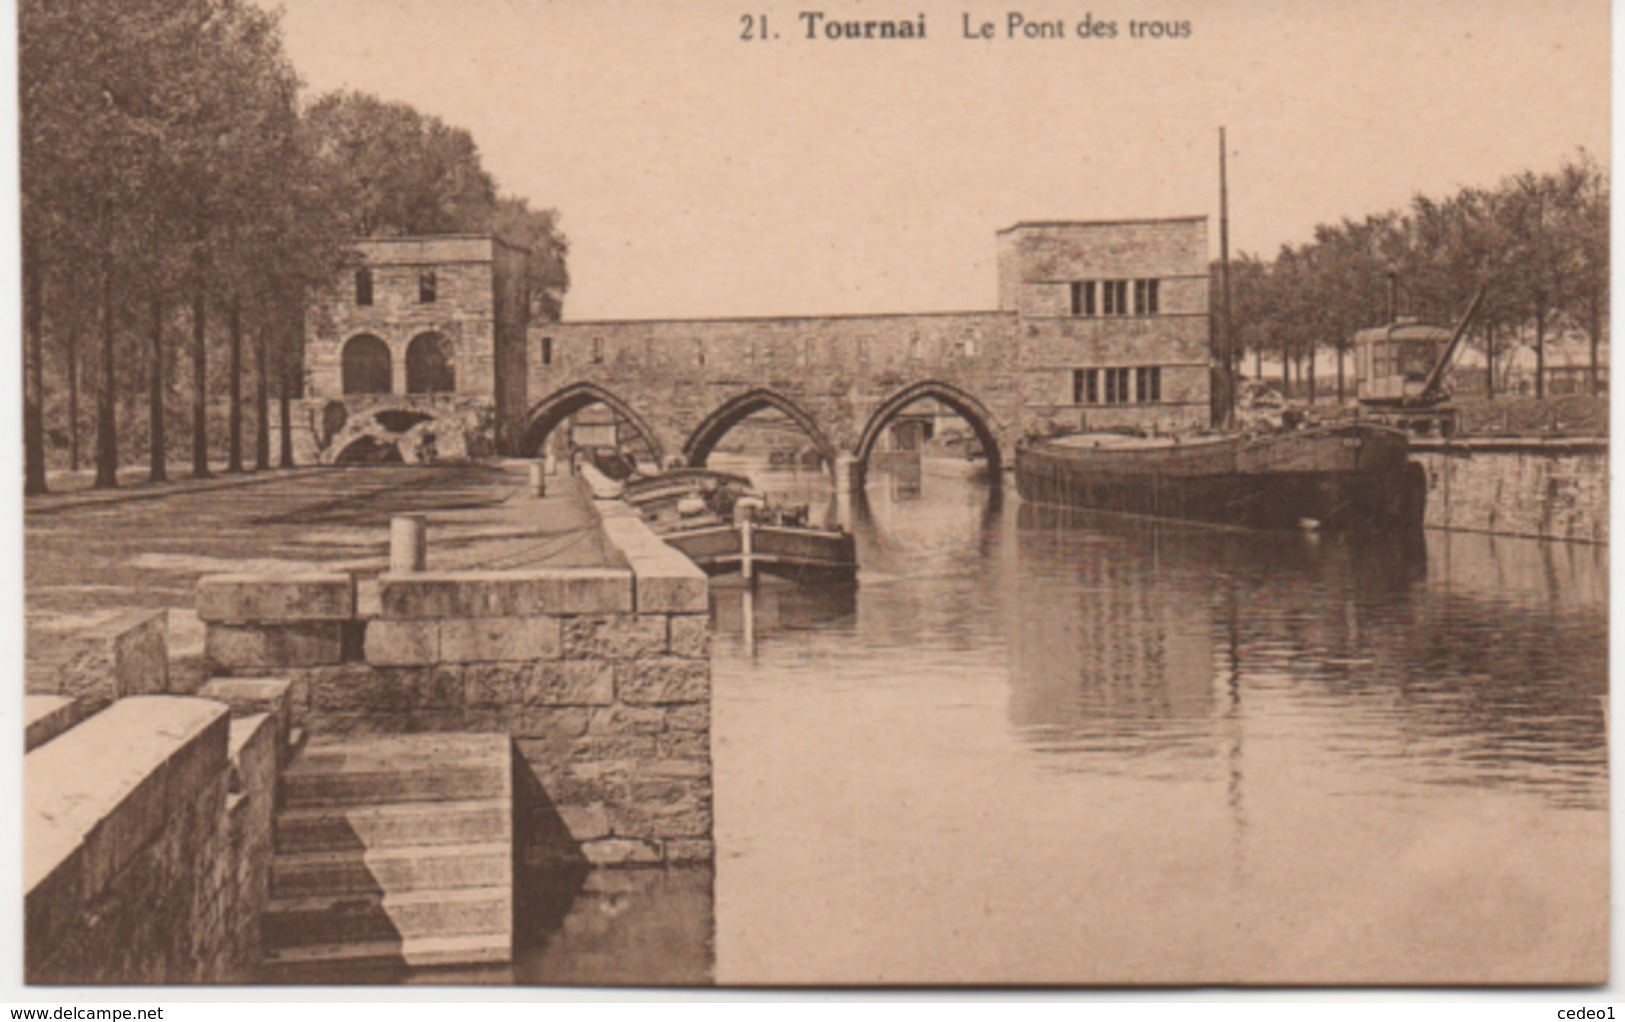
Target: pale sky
x,y
697,174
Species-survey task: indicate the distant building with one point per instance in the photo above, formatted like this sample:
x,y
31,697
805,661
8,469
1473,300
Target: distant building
x,y
1113,320
423,349
420,338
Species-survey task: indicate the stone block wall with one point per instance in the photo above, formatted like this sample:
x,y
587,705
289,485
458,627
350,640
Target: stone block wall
x,y
146,846
836,372
1039,262
1541,489
422,427
600,675
256,747
124,654
147,824
463,312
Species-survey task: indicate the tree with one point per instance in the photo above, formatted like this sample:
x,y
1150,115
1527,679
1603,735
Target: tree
x,y
399,171
1583,218
546,276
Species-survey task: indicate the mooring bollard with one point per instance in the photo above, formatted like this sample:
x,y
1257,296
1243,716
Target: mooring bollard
x,y
408,544
538,479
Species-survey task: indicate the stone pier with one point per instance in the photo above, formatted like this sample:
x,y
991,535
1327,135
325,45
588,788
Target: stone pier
x,y
600,676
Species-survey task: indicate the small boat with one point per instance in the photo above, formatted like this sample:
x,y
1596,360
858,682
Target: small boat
x,y
1333,477
723,524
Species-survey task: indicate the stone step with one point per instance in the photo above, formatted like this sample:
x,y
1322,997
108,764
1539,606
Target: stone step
x,y
399,825
452,784
353,918
385,787
321,963
364,871
329,755
410,768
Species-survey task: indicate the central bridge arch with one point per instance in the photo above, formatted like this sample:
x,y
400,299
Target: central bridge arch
x,y
981,421
735,410
546,415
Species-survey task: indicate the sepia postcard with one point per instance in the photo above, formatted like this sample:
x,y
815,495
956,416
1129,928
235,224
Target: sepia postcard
x,y
534,493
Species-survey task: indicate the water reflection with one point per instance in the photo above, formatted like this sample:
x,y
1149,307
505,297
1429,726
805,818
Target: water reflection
x,y
1462,660
1052,747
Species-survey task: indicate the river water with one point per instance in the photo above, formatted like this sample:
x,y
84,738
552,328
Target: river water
x,y
1043,747
1048,747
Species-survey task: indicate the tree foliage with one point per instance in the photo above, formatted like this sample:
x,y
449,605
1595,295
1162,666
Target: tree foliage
x,y
398,171
1538,243
176,184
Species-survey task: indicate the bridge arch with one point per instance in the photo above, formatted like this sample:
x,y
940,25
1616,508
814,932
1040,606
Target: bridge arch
x,y
981,421
547,413
736,409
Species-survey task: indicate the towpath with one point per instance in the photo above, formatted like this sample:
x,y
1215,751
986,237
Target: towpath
x,y
89,554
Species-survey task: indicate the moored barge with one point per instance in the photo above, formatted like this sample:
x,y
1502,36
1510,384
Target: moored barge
x,y
724,525
1354,476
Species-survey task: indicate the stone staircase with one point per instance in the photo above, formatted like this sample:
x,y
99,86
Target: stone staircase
x,y
392,852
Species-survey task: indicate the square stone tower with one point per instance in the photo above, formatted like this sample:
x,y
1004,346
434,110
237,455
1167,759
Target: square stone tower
x,y
413,329
1113,321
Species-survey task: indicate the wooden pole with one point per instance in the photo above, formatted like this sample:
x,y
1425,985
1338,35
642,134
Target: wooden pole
x,y
1227,397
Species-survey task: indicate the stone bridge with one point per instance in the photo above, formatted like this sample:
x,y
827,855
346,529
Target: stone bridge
x,y
425,350
683,385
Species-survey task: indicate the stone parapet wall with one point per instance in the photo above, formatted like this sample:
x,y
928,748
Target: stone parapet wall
x,y
124,654
602,677
121,867
147,817
834,372
147,835
45,717
1540,489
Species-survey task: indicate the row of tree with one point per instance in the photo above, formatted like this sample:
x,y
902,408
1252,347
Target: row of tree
x,y
176,185
1537,243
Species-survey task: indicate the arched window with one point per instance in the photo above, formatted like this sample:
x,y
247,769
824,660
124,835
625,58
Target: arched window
x,y
366,365
428,366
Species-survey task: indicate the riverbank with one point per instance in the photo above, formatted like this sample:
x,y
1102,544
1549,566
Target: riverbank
x,y
94,554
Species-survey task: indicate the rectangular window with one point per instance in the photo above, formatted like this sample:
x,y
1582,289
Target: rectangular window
x,y
1077,386
1111,386
1091,387
363,287
1083,298
426,287
597,351
1145,297
547,351
1114,298
1122,376
1148,385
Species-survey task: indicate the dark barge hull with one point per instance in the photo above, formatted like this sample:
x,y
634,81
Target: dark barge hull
x,y
1346,477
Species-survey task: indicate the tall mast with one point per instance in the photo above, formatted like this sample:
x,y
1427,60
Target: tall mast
x,y
1227,397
